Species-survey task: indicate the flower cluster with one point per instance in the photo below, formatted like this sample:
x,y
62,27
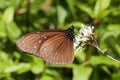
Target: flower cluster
x,y
85,34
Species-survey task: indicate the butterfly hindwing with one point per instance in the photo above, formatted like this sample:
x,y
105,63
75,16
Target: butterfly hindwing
x,y
57,50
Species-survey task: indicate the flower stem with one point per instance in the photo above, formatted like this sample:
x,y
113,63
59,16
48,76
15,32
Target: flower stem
x,y
104,52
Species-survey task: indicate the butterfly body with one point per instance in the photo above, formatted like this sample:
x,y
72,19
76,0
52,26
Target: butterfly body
x,y
54,46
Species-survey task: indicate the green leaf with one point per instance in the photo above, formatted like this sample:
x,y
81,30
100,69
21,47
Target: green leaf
x,y
4,60
62,14
46,77
2,30
115,11
100,6
71,6
115,76
37,65
20,68
86,9
81,73
96,60
76,24
80,56
13,31
53,72
8,15
112,30
104,13
4,56
105,68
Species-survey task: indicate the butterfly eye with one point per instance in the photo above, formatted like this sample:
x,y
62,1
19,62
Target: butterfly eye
x,y
54,46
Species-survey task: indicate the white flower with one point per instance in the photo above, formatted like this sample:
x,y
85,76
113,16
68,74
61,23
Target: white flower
x,y
86,31
84,35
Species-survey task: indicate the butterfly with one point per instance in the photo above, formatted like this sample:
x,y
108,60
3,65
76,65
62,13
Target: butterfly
x,y
54,46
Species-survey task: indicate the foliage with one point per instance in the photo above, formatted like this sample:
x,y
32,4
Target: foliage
x,y
18,17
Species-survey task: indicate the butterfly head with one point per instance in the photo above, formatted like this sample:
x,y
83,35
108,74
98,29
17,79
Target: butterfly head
x,y
70,33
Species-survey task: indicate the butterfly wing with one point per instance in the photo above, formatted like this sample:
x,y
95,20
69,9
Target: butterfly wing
x,y
58,50
52,46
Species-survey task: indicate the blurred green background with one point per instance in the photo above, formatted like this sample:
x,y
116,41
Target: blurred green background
x,y
18,17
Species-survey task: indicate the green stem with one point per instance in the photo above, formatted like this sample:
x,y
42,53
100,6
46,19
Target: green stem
x,y
104,52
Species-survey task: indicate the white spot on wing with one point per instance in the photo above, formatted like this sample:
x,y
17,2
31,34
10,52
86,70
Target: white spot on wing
x,y
56,62
45,37
56,53
39,41
34,46
63,63
44,49
38,32
23,37
23,41
33,34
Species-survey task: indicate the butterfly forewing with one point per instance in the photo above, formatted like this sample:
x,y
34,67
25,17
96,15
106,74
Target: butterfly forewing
x,y
53,46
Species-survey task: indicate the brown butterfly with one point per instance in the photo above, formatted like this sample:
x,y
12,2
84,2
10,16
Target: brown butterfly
x,y
54,46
